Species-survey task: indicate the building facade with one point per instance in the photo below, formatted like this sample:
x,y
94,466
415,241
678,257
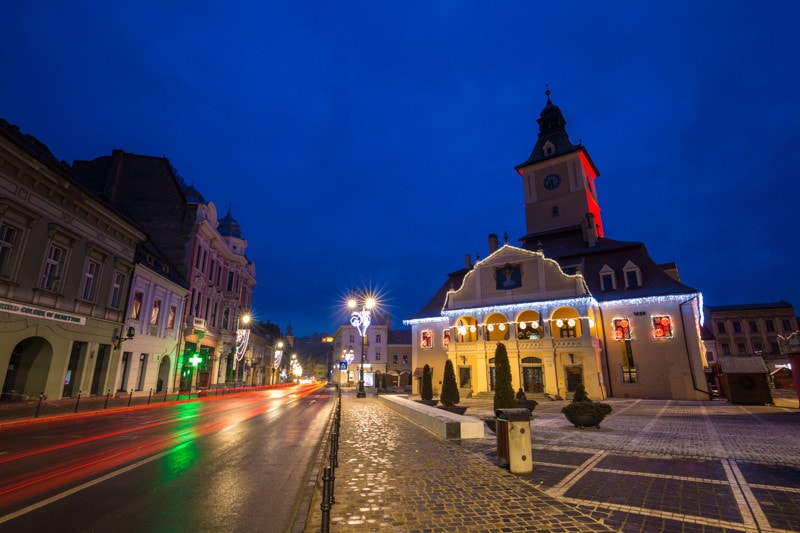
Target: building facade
x,y
752,330
207,251
571,305
66,266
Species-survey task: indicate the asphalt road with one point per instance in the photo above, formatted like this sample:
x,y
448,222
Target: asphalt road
x,y
234,463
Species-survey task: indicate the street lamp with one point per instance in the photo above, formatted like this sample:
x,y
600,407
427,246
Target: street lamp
x,y
277,354
361,320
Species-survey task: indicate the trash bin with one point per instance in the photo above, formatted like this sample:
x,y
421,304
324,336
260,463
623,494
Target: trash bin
x,y
514,440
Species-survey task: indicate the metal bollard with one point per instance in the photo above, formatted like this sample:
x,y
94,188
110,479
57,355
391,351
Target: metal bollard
x,y
166,391
130,398
149,395
325,506
39,405
108,395
78,402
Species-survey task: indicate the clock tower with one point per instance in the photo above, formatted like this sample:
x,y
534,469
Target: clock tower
x,y
558,181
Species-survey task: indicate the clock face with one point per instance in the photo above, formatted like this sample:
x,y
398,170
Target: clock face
x,y
551,181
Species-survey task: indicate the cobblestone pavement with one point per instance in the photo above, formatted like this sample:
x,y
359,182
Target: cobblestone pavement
x,y
652,466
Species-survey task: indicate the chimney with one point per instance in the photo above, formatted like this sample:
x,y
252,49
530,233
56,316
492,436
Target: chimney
x,y
468,261
493,243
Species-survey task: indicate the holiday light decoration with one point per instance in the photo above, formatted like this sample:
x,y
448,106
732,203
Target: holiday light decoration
x,y
662,327
622,329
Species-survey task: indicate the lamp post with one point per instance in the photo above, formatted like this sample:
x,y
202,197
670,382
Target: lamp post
x,y
277,354
361,320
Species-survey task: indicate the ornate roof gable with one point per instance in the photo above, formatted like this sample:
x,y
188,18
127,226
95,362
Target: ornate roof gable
x,y
513,275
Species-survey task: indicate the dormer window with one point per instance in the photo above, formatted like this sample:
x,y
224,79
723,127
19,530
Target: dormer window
x,y
549,148
633,276
607,279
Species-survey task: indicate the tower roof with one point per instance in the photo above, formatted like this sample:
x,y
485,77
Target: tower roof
x,y
552,131
228,227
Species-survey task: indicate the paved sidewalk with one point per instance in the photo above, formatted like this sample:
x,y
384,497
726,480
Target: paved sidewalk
x,y
652,466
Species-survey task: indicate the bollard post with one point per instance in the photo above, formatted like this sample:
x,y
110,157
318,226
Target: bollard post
x,y
166,391
39,405
108,395
335,447
333,474
325,506
78,402
149,395
130,398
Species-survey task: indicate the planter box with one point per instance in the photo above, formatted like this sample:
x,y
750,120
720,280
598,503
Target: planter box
x,y
583,421
530,405
457,409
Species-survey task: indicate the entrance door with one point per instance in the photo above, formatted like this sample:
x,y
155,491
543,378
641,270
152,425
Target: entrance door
x,y
533,379
574,377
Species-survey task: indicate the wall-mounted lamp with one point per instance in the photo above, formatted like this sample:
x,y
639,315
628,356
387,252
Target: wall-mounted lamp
x,y
119,340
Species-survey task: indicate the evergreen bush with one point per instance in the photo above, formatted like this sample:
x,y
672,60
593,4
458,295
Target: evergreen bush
x,y
427,383
450,395
503,391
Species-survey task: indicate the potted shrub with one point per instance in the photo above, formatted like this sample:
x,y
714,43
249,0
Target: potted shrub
x,y
523,401
503,391
426,394
582,412
450,395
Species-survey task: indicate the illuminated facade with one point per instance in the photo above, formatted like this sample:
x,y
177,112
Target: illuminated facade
x,y
571,305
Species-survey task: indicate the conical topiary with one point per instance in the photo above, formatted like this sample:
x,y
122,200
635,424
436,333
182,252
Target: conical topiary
x,y
427,383
503,391
449,395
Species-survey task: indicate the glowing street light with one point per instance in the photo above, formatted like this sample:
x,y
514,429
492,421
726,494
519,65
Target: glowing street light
x,y
360,319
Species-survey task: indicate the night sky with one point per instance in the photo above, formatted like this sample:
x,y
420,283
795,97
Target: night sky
x,y
373,144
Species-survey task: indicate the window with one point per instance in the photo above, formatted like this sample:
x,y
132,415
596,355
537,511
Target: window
x,y
662,327
352,338
721,327
741,348
405,359
737,327
753,326
787,325
770,325
173,310
726,349
156,310
773,347
9,238
377,355
229,286
446,338
622,329
607,279
566,328
199,257
378,338
633,276
758,347
87,291
136,306
629,373
226,318
426,339
394,359
116,289
52,267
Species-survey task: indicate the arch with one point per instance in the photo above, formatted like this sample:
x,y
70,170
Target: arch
x,y
162,383
28,368
496,327
565,322
529,325
466,329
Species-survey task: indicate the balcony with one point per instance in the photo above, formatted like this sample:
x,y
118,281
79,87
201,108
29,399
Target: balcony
x,y
526,345
196,323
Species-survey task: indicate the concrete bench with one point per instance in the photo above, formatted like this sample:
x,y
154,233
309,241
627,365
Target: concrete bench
x,y
440,422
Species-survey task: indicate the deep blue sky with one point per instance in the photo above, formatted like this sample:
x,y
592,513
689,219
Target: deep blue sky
x,y
372,144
